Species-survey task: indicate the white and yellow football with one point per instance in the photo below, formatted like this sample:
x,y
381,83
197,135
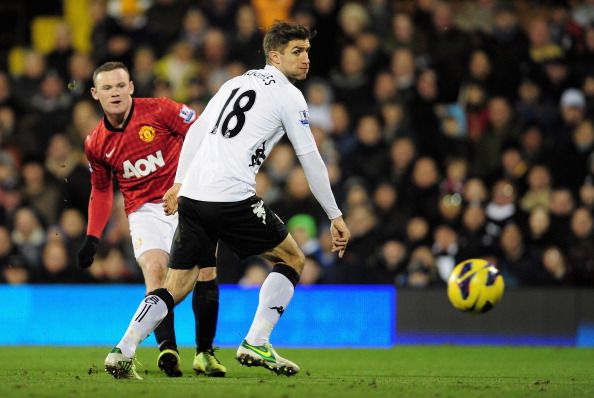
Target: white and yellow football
x,y
475,285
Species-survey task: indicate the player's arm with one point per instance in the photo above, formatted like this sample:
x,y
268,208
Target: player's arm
x,y
99,211
296,123
193,139
319,184
176,116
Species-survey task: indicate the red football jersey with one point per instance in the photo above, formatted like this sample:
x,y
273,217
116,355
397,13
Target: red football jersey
x,y
142,155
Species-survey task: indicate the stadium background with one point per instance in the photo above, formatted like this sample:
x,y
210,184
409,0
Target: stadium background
x,y
451,129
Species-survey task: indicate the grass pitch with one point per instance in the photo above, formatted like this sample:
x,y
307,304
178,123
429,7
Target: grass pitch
x,y
404,371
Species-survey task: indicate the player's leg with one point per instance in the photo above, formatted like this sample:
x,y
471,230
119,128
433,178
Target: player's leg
x,y
151,311
152,233
250,227
154,269
275,295
205,304
190,246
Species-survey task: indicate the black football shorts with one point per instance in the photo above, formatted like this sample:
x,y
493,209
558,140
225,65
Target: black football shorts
x,y
248,227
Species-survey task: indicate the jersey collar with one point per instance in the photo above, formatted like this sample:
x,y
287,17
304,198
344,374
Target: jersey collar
x,y
276,72
119,129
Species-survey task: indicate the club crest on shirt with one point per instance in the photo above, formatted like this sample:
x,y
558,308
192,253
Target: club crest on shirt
x,y
147,133
304,118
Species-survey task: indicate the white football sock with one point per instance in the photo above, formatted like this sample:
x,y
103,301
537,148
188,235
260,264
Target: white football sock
x,y
275,294
148,316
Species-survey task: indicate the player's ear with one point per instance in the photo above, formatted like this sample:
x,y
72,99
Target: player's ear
x,y
131,87
94,93
274,57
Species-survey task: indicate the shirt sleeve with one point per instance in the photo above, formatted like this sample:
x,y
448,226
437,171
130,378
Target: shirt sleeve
x,y
176,117
319,182
100,174
295,119
190,147
101,198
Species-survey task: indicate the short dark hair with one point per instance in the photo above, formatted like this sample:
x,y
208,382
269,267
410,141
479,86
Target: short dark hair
x,y
109,66
281,33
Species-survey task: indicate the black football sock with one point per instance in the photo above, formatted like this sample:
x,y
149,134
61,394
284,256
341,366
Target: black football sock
x,y
205,303
165,333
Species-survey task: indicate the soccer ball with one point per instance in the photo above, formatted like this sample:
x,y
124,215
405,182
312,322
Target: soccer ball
x,y
475,286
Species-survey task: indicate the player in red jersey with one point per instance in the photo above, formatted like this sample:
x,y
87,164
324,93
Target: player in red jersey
x,y
138,142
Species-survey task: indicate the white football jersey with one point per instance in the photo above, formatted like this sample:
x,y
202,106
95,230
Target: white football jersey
x,y
226,146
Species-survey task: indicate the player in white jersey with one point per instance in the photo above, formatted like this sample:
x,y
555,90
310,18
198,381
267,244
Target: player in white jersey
x,y
215,182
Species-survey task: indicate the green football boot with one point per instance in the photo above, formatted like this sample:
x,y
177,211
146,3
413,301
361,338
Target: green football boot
x,y
267,357
120,366
205,362
169,361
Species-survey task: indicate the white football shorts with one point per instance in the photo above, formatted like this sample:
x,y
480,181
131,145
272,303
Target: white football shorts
x,y
150,228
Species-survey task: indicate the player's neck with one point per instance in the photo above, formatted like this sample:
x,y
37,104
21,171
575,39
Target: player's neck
x,y
118,120
292,81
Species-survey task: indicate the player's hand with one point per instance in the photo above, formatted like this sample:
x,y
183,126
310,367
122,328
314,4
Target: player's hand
x,y
87,251
340,236
170,199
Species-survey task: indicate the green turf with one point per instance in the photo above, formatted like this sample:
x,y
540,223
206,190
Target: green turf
x,y
405,371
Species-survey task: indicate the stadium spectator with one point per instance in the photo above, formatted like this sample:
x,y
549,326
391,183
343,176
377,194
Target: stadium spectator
x,y
473,236
501,129
163,22
298,198
581,246
39,192
342,128
177,68
561,206
143,71
403,153
80,76
501,208
55,264
420,270
424,120
390,212
351,84
28,236
64,163
387,263
369,158
71,228
445,250
58,58
26,85
556,269
84,118
365,234
405,35
319,96
518,264
246,40
539,187
424,193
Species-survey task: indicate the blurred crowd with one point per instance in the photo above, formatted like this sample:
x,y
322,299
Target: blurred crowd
x,y
451,130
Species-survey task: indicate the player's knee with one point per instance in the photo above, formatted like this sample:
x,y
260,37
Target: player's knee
x,y
154,269
298,261
207,274
180,282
